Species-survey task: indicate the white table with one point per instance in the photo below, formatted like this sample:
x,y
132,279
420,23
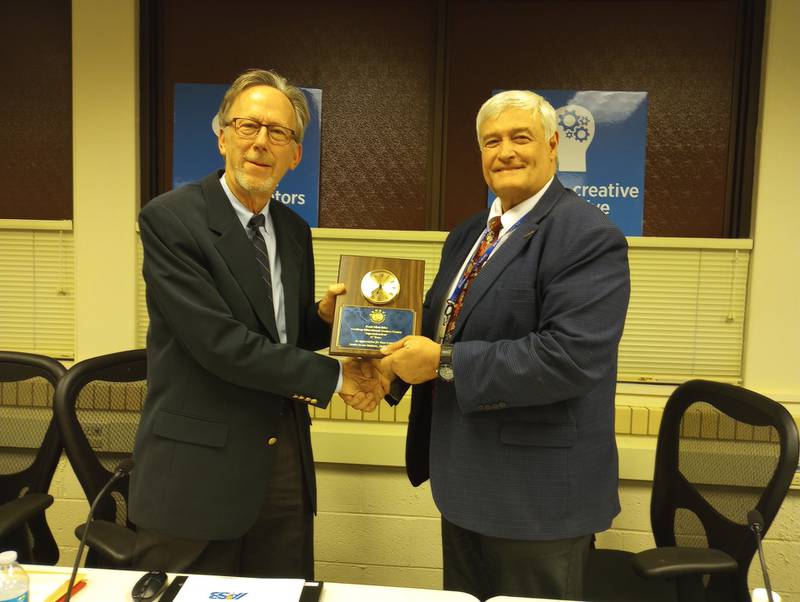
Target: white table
x,y
514,599
106,585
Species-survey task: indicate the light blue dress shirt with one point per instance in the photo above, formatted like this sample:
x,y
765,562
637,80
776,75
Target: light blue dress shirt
x,y
268,232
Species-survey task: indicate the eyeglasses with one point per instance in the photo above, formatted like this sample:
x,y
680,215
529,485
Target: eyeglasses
x,y
248,129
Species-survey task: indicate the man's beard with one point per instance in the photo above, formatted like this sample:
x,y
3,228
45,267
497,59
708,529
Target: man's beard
x,y
251,184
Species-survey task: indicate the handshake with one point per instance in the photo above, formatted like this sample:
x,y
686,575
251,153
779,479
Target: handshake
x,y
414,359
365,382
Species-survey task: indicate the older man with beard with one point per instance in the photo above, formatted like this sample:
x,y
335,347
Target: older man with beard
x,y
224,478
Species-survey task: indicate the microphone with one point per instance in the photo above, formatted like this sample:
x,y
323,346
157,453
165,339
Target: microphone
x,y
123,468
756,522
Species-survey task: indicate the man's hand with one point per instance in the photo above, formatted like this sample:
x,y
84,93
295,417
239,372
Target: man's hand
x,y
363,384
327,305
415,359
385,366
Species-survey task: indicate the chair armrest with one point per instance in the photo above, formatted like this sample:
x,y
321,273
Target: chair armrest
x,y
113,541
672,562
20,510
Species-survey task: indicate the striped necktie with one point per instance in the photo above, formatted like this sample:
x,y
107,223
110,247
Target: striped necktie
x,y
262,255
471,271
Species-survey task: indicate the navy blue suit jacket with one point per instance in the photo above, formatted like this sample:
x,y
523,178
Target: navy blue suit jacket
x,y
218,376
521,445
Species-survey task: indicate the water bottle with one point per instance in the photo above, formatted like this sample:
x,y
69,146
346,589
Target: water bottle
x,y
13,579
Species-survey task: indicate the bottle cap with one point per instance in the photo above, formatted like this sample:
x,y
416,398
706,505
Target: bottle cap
x,y
760,595
8,557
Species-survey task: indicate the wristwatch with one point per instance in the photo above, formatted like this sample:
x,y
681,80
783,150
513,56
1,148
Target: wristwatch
x,y
445,370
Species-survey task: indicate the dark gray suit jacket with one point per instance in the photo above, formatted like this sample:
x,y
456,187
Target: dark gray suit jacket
x,y
218,377
521,445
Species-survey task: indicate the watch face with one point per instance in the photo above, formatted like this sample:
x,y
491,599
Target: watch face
x,y
380,286
446,372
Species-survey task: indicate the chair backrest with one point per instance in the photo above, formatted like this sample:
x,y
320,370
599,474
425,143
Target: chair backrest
x,y
722,451
98,405
30,445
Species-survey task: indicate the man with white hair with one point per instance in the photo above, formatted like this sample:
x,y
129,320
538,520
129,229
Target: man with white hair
x,y
512,418
224,479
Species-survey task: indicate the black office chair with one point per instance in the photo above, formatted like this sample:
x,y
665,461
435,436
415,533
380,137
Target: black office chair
x,y
97,405
722,452
30,447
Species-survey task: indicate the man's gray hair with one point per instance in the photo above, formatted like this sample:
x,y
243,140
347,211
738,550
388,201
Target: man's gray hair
x,y
518,99
262,77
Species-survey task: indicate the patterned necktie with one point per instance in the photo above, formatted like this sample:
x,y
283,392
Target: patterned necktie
x,y
262,255
471,271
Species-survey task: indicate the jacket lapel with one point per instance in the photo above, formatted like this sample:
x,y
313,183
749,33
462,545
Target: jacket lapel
x,y
237,251
516,242
449,270
291,255
452,268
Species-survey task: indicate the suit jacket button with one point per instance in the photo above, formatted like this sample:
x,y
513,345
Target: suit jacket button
x,y
272,441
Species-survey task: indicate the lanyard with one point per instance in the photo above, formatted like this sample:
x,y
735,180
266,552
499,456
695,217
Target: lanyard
x,y
477,265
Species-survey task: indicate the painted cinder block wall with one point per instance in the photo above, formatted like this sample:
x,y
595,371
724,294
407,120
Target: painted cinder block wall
x,y
374,528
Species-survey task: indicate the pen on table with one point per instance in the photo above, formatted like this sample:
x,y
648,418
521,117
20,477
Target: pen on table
x,y
78,586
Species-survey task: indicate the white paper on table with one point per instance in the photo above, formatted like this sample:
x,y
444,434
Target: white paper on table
x,y
44,583
206,587
47,585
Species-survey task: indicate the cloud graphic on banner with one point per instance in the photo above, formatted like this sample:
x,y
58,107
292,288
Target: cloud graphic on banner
x,y
576,131
608,107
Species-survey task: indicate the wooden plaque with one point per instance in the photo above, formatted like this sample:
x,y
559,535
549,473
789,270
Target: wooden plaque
x,y
383,303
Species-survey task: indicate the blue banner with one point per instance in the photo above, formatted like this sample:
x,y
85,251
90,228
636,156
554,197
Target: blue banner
x,y
601,150
195,153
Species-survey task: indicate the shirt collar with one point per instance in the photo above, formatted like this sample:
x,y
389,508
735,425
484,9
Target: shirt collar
x,y
242,212
513,215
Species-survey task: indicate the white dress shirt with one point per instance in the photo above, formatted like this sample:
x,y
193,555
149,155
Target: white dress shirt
x,y
507,220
